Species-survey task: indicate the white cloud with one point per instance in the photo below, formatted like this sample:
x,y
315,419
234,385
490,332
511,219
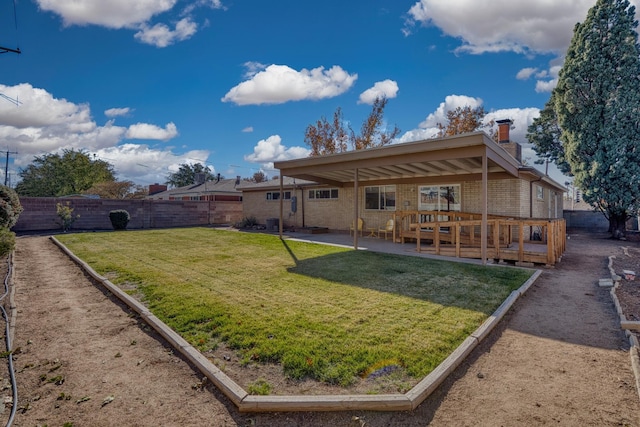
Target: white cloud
x,y
160,35
522,118
131,14
45,124
253,68
546,80
451,102
538,26
278,84
526,73
248,129
115,112
271,150
386,88
145,165
149,131
110,14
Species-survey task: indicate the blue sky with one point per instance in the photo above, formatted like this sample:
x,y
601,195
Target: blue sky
x,y
150,84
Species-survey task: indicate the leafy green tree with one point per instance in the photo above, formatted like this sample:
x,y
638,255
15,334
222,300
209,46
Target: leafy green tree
x,y
10,207
326,137
544,134
55,175
597,102
186,175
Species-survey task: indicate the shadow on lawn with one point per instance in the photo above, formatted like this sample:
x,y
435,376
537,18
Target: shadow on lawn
x,y
466,286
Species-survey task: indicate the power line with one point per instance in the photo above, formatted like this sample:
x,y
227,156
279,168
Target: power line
x,y
15,20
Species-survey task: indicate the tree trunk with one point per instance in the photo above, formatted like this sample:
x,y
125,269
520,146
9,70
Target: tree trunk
x,y
618,225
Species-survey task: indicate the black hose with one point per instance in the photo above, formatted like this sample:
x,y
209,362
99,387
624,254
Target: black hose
x,y
14,385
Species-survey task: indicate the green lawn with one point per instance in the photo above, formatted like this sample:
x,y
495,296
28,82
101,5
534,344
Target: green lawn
x,y
323,312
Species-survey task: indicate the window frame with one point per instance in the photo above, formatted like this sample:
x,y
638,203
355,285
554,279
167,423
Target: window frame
x,y
320,193
457,207
270,196
382,191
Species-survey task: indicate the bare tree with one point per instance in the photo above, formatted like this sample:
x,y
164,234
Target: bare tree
x,y
326,137
463,120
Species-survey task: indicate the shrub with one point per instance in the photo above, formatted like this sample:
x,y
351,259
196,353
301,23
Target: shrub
x,y
7,241
247,222
65,213
119,219
10,207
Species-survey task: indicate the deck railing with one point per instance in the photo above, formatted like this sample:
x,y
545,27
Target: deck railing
x,y
524,240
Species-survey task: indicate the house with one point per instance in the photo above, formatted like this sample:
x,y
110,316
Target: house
x,y
437,174
216,190
413,183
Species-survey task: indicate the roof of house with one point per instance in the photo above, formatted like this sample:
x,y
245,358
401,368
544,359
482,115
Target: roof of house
x,y
457,157
222,186
274,184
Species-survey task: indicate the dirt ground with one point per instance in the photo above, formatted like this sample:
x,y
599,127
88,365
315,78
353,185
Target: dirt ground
x,y
559,357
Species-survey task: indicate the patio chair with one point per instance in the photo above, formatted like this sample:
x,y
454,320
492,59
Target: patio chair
x,y
360,227
388,228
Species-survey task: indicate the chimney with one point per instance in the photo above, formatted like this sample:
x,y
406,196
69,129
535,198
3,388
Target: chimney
x,y
513,148
156,188
503,130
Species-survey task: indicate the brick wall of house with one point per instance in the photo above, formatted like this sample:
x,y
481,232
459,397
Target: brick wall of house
x,y
509,197
40,213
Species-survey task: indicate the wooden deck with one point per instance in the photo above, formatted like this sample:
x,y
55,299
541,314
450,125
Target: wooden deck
x,y
458,234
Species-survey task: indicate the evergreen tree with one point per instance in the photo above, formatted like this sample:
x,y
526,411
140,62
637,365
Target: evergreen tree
x,y
597,102
544,134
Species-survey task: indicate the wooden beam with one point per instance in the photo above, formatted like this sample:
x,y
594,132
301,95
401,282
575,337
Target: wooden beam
x,y
485,204
355,209
281,206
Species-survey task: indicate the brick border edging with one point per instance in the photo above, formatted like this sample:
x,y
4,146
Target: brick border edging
x,y
287,403
626,325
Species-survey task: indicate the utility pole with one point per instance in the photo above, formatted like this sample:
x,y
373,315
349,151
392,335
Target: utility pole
x,y
6,165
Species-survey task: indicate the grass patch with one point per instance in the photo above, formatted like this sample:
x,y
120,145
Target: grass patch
x,y
323,312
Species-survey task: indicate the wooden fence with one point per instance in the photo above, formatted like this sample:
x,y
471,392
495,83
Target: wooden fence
x,y
458,234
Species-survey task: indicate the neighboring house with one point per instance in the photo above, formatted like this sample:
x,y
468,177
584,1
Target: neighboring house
x,y
220,190
445,174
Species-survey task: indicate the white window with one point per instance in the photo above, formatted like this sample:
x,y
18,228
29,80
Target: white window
x,y
275,195
381,198
328,193
540,192
439,198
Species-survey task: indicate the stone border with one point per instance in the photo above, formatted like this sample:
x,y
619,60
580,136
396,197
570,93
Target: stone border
x,y
628,326
251,403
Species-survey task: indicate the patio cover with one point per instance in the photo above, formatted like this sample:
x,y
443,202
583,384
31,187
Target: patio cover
x,y
470,157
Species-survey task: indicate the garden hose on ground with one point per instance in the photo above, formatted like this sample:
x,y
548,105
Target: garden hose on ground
x,y
14,385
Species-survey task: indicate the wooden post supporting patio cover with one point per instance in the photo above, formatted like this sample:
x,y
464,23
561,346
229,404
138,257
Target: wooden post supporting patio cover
x,y
281,206
355,209
483,227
